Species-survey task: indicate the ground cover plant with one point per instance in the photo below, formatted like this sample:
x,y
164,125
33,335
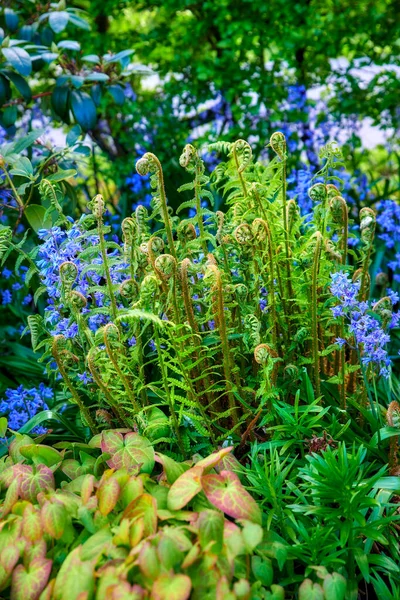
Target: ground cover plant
x,y
185,335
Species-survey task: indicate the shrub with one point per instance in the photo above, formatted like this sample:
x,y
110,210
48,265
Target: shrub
x,y
195,331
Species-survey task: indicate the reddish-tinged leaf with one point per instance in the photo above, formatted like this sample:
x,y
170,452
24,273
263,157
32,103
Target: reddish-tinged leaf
x,y
11,497
149,562
47,593
136,531
191,556
107,495
228,463
227,493
171,587
123,591
28,583
38,550
9,557
146,507
129,451
31,524
34,482
214,458
87,488
54,518
71,467
185,488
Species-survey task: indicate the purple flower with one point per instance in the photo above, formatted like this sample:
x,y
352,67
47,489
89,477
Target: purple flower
x,y
6,297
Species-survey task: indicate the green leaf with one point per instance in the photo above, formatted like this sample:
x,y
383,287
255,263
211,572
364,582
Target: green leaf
x,y
172,469
108,494
61,175
58,20
310,591
171,587
262,570
83,109
117,93
101,77
3,426
5,90
11,19
41,454
227,493
334,587
29,582
74,578
21,84
35,214
19,59
60,100
211,530
69,45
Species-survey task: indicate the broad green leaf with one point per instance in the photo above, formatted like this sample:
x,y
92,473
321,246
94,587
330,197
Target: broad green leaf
x,y
75,577
9,557
19,59
83,109
61,175
97,544
58,20
35,214
310,591
211,530
172,469
60,100
334,587
227,493
262,570
41,454
20,83
171,587
185,488
29,582
3,426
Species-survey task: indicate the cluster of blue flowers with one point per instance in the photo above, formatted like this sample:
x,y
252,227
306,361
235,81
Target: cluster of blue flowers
x,y
21,404
369,336
15,282
66,245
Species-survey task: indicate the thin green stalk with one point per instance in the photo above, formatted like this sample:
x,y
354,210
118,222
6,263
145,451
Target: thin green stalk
x,y
314,309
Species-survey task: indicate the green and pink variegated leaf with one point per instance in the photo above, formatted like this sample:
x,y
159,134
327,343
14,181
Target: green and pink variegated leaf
x,y
47,593
214,458
228,463
227,493
171,587
34,482
148,561
71,467
37,550
11,497
143,507
9,557
28,583
185,488
130,451
108,494
211,530
31,524
54,518
124,591
87,488
131,490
